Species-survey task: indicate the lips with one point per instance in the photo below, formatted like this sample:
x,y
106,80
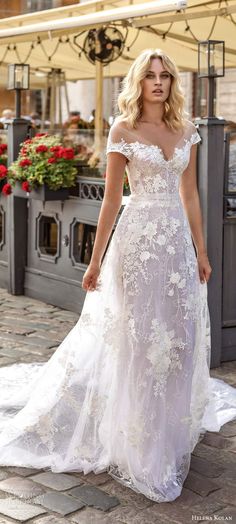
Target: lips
x,y
157,91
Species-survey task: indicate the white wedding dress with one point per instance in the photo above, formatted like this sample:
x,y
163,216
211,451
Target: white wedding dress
x,y
128,391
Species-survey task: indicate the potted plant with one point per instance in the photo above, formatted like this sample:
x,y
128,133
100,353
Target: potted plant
x,y
3,165
44,169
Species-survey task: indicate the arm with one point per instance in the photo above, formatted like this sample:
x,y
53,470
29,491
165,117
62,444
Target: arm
x,y
190,199
112,199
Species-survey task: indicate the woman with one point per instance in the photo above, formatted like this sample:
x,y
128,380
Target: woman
x,y
128,391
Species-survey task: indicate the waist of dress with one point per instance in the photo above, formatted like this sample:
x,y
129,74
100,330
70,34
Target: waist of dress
x,y
162,199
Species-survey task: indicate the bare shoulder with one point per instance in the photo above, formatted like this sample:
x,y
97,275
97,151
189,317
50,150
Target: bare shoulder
x,y
189,125
120,125
119,131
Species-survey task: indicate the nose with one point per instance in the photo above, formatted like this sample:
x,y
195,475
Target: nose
x,y
157,80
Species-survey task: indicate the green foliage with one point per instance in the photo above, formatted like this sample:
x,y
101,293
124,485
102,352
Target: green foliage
x,y
53,167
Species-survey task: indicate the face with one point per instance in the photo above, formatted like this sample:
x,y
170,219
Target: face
x,y
157,82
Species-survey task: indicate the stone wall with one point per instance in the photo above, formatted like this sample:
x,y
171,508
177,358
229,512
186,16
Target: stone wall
x,y
226,97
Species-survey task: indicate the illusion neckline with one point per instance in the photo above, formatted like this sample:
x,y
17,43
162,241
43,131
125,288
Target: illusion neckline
x,y
167,160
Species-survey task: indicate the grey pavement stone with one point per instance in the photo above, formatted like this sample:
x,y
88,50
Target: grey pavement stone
x,y
228,513
123,513
31,340
17,330
17,470
51,520
11,353
41,309
207,506
59,502
33,358
205,467
220,456
18,510
63,313
97,479
4,361
35,350
39,341
7,320
21,487
164,512
3,475
229,429
5,521
217,441
15,304
187,498
92,496
137,500
94,516
226,494
46,335
57,481
150,516
11,313
201,485
228,477
4,343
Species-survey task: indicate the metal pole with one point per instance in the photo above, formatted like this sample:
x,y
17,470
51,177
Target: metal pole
x,y
211,95
18,103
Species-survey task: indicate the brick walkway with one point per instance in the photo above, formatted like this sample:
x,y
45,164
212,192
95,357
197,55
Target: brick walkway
x,y
31,331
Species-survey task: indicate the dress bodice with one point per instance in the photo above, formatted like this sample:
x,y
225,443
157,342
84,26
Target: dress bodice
x,y
149,172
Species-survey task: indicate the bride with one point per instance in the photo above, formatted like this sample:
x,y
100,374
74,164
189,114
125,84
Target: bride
x,y
128,391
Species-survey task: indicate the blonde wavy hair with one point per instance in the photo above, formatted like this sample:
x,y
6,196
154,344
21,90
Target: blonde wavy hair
x,y
130,98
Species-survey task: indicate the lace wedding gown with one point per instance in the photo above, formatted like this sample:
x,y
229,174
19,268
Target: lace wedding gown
x,y
128,391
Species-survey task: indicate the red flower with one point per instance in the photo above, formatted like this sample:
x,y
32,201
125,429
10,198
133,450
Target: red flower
x,y
52,160
28,141
3,171
7,189
67,153
55,148
24,151
3,148
25,186
41,149
25,162
41,134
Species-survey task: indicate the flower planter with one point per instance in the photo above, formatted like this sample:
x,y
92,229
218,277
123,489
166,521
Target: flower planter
x,y
18,191
44,193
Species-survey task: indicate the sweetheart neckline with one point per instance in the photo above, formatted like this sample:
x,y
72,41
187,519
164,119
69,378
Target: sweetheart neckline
x,y
158,147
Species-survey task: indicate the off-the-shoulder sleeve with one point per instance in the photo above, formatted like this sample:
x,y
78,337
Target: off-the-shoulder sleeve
x,y
116,142
192,133
195,137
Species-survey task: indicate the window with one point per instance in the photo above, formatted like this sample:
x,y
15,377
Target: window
x,y
48,237
29,6
83,240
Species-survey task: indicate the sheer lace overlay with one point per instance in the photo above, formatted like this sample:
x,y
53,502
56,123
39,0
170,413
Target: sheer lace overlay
x,y
128,391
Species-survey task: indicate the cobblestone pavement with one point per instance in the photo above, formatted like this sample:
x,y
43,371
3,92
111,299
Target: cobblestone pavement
x,y
31,331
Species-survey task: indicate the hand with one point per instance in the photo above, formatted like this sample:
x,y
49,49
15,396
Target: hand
x,y
89,282
204,267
